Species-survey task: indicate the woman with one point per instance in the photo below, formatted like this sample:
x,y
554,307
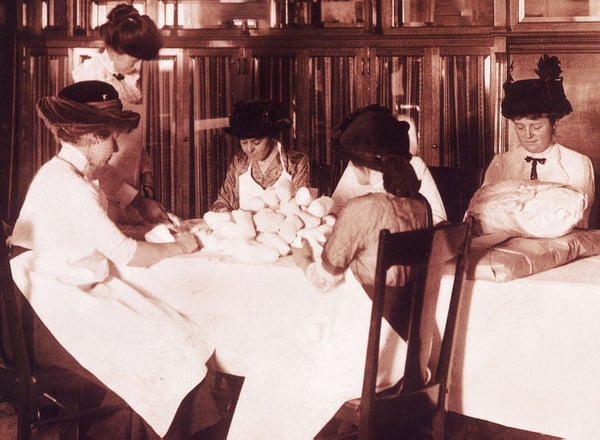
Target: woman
x,y
535,106
399,207
148,354
128,39
348,187
262,161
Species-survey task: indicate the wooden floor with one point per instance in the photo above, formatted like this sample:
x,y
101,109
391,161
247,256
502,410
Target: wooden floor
x,y
459,427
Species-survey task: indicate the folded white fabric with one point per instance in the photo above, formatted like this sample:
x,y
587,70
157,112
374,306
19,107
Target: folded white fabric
x,y
527,209
159,234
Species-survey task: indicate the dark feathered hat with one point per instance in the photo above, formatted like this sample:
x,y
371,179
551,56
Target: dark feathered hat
x,y
536,96
256,119
87,106
371,133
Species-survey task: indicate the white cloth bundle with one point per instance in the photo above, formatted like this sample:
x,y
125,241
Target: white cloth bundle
x,y
527,209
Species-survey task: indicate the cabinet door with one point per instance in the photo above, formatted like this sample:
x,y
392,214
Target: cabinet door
x,y
217,80
332,84
273,75
165,135
451,114
45,71
466,127
398,85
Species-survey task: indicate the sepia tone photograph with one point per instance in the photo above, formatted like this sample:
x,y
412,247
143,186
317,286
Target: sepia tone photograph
x,y
299,219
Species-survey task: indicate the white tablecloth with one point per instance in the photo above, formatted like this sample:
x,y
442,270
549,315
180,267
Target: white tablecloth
x,y
527,355
302,351
529,352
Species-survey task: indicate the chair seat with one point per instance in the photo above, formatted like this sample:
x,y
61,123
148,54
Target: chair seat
x,y
392,407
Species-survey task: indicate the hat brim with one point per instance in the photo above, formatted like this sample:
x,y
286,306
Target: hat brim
x,y
257,133
60,112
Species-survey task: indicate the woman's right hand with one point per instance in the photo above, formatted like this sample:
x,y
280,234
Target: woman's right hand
x,y
187,242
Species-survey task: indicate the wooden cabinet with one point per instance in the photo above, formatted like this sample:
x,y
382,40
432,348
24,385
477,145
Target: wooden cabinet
x,y
445,78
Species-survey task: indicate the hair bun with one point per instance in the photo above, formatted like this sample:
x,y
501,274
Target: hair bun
x,y
122,12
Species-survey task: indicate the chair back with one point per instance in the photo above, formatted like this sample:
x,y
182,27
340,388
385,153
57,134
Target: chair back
x,y
594,219
16,380
431,254
456,187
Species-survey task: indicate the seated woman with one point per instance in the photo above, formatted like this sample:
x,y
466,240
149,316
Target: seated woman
x,y
535,106
262,161
399,207
349,187
149,355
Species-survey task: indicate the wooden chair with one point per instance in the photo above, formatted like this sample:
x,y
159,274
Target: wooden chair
x,y
40,396
226,390
457,186
594,221
415,408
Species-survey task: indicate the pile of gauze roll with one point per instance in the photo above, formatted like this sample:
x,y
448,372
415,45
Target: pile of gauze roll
x,y
270,225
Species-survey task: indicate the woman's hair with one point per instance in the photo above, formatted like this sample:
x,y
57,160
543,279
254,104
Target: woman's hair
x,y
75,135
399,177
552,117
126,31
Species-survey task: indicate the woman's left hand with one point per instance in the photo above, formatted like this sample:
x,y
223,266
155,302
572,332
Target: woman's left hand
x,y
303,256
187,242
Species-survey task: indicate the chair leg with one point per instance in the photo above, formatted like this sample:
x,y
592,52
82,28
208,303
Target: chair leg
x,y
439,425
228,388
24,422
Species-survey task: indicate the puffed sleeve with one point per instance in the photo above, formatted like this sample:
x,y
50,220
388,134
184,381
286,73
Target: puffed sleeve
x,y
354,222
99,229
299,169
229,198
495,171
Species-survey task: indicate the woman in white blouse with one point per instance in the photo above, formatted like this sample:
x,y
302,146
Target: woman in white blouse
x,y
129,38
137,346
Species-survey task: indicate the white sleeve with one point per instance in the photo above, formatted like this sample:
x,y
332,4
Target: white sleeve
x,y
343,191
429,190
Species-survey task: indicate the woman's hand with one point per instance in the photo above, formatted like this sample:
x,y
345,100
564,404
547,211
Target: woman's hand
x,y
187,242
303,256
150,210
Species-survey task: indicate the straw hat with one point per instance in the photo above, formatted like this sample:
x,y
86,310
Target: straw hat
x,y
86,106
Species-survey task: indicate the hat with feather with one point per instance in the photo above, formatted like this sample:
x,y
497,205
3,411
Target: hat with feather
x,y
543,95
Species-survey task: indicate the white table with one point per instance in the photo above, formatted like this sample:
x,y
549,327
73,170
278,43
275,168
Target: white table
x,y
527,357
529,352
302,351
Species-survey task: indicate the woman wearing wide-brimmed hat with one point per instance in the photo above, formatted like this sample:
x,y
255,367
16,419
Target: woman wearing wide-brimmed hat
x,y
147,353
262,161
535,106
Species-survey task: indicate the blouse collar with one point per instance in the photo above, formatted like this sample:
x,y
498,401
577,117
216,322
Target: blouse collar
x,y
547,153
73,156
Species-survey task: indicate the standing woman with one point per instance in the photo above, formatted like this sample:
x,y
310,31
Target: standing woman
x,y
128,39
535,106
262,161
